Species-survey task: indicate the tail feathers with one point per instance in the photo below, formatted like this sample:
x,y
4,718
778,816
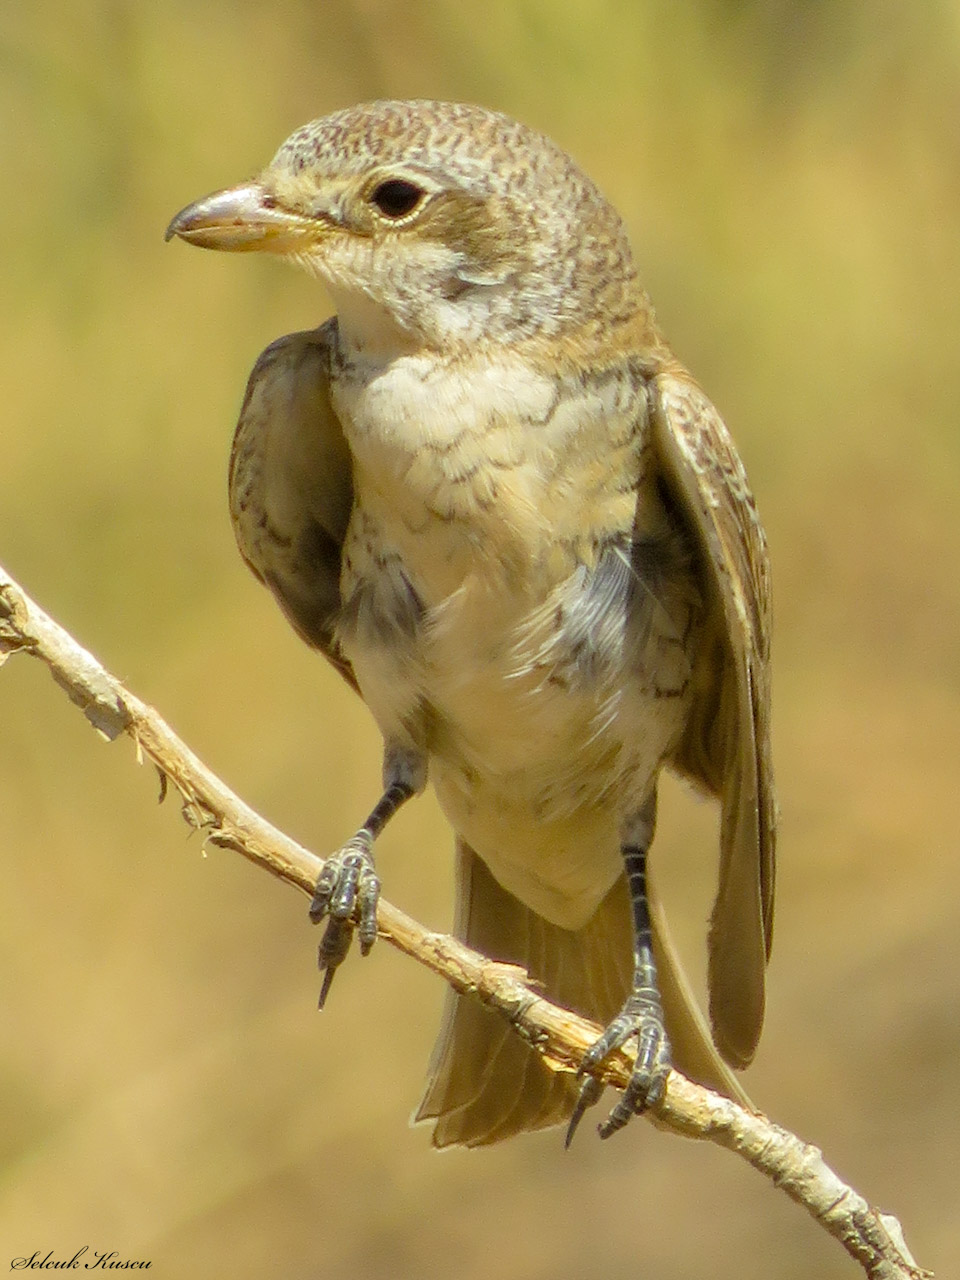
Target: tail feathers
x,y
486,1084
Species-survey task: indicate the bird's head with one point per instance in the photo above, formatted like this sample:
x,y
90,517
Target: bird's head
x,y
432,224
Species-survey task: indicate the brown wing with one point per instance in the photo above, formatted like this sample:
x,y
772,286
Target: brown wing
x,y
728,747
291,485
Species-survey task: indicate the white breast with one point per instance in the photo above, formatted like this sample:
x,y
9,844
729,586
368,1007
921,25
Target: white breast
x,y
482,490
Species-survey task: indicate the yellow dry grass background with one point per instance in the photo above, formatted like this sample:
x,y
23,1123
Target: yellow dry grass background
x,y
791,176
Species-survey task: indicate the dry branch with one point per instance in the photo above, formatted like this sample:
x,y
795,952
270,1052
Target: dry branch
x,y
874,1239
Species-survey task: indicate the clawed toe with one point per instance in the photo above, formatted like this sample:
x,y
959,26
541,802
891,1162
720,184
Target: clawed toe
x,y
347,894
590,1091
642,1017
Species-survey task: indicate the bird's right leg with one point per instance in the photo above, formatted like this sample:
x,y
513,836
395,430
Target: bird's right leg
x,y
642,1014
348,887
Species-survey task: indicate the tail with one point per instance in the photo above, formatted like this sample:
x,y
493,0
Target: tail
x,y
484,1082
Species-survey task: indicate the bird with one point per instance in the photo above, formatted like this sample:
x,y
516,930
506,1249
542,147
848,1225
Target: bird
x,y
488,492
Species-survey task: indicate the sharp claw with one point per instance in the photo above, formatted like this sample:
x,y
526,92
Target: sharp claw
x,y
573,1126
590,1090
331,953
328,977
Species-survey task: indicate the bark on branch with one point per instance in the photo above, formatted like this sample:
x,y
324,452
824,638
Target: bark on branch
x,y
874,1239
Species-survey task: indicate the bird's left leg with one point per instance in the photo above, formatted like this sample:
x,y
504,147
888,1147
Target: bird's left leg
x,y
348,887
642,1012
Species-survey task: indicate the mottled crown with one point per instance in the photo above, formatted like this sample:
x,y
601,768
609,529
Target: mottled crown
x,y
481,148
520,215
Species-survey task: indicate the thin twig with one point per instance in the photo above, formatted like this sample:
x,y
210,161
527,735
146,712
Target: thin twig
x,y
874,1239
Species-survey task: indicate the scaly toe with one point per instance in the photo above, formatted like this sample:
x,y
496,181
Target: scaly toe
x,y
346,895
643,1018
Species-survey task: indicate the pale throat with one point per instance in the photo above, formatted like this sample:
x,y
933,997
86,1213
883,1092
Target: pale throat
x,y
389,317
368,329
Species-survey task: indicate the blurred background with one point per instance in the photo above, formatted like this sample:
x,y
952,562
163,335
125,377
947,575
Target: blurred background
x,y
790,173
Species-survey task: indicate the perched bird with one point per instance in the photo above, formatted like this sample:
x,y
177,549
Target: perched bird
x,y
490,494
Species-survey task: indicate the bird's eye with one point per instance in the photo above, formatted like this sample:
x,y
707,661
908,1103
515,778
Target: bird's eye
x,y
395,198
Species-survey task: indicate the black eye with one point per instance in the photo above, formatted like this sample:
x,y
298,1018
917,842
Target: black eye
x,y
395,198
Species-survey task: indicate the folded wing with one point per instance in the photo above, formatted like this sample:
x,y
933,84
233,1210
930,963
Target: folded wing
x,y
291,485
727,747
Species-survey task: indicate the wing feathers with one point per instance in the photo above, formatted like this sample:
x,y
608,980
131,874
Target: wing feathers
x,y
291,486
706,478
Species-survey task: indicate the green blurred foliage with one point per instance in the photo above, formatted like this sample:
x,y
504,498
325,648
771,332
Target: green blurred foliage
x,y
790,174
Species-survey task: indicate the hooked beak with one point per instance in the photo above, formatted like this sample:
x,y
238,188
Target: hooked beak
x,y
242,219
